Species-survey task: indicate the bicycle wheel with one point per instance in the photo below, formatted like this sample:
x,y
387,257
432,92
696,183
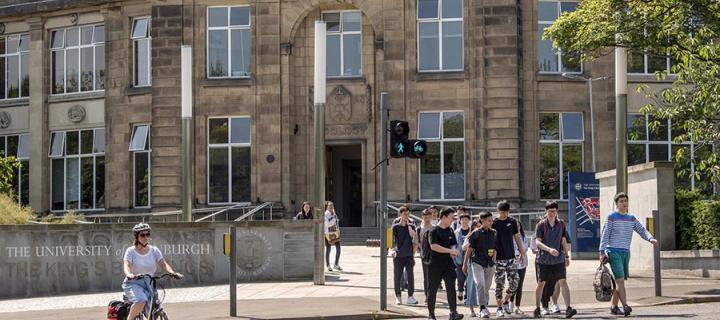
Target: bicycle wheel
x,y
161,316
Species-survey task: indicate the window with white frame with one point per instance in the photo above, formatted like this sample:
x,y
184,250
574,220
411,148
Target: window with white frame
x,y
644,63
140,148
552,60
228,42
14,56
77,56
229,160
440,35
343,46
561,151
18,146
646,144
442,170
142,43
77,169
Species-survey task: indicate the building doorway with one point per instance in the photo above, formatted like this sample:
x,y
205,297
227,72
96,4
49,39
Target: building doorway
x,y
344,185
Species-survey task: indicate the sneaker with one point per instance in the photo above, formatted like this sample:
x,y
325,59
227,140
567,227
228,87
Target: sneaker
x,y
537,313
500,313
507,309
398,300
455,316
626,310
570,312
337,267
518,311
411,300
544,312
555,308
329,268
615,311
484,313
460,296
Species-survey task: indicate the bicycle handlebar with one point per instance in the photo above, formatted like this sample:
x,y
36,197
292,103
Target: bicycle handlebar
x,y
164,275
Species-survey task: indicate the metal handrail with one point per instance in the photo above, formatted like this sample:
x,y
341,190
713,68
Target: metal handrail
x,y
226,209
253,211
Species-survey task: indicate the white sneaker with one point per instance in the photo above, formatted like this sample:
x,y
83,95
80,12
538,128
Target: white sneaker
x,y
398,300
329,268
518,311
508,308
499,313
555,309
411,300
484,313
337,267
544,312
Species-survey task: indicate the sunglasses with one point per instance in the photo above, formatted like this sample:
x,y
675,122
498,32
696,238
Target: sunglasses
x,y
144,234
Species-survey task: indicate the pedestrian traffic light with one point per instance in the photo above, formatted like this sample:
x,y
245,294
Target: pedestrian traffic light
x,y
400,146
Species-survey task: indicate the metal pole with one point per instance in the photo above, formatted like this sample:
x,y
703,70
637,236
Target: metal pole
x,y
319,185
620,119
233,272
384,110
592,123
187,128
656,254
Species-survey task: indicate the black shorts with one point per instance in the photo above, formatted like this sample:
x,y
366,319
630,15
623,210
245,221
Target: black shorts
x,y
552,272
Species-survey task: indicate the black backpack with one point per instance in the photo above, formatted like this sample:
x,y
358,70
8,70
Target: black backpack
x,y
425,251
118,310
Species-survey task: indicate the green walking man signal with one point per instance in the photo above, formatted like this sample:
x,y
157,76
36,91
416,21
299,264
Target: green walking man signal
x,y
401,146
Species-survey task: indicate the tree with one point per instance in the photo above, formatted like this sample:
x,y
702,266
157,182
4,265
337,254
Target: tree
x,y
8,167
688,31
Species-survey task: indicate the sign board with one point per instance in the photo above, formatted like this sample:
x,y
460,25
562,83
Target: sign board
x,y
584,211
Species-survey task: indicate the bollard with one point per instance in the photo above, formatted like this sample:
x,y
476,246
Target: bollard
x,y
656,254
233,272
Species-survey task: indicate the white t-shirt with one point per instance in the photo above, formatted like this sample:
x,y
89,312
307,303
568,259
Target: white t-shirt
x,y
143,264
331,219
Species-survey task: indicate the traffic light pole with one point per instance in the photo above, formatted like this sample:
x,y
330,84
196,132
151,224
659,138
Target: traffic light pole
x,y
319,184
383,197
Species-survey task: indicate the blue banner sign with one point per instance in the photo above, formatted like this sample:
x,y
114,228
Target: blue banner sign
x,y
584,211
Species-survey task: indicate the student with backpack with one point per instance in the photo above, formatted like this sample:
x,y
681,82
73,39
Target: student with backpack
x,y
441,248
403,254
615,246
553,257
461,232
425,227
481,247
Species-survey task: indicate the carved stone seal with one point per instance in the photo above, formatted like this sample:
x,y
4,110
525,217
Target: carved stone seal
x,y
5,120
340,104
76,114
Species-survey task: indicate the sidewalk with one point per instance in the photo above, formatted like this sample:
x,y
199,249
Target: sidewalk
x,y
351,294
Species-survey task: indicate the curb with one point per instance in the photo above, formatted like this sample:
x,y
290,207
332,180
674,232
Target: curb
x,y
685,300
365,316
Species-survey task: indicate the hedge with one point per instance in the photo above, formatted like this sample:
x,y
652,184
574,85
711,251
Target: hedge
x,y
697,221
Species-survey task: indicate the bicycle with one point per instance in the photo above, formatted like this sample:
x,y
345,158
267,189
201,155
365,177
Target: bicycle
x,y
156,310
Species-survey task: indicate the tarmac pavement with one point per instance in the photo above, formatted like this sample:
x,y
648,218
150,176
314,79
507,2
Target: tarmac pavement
x,y
354,294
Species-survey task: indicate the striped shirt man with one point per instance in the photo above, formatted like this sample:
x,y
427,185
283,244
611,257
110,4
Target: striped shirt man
x,y
618,231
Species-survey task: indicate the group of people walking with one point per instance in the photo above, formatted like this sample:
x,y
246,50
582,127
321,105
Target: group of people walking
x,y
466,255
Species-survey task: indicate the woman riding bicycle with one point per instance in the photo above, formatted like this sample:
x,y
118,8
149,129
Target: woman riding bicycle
x,y
141,259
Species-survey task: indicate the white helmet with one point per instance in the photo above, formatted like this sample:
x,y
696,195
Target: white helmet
x,y
140,227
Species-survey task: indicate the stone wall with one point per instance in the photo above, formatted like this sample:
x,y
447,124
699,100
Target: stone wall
x,y
60,259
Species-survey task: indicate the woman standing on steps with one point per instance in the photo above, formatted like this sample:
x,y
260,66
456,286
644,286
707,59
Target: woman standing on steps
x,y
332,236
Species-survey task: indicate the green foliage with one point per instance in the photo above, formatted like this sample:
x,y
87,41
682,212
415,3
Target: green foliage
x,y
685,30
706,224
12,213
8,165
69,217
684,235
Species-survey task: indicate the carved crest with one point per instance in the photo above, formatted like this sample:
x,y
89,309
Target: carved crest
x,y
340,104
76,113
5,120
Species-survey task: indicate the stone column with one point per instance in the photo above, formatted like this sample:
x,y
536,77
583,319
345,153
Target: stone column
x,y
38,118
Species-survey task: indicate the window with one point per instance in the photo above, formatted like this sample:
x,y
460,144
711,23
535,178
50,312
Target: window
x,y
551,60
77,160
440,35
442,170
14,56
142,42
228,44
646,144
343,47
140,148
18,146
78,59
561,151
229,160
644,63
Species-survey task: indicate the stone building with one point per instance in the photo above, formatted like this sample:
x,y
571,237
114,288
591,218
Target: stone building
x,y
91,102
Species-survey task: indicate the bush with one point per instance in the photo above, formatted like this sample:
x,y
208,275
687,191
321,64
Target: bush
x,y
12,213
684,235
706,224
68,218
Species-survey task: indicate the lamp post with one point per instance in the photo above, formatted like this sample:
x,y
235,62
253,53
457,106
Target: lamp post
x,y
592,113
187,126
319,185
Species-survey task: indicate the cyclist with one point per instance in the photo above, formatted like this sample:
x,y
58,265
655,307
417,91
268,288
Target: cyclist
x,y
140,259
